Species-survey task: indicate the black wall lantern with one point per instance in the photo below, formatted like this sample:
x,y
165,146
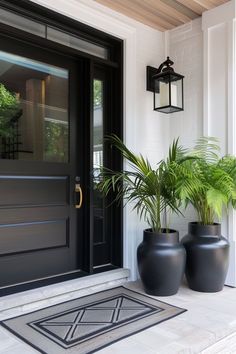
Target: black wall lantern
x,y
167,87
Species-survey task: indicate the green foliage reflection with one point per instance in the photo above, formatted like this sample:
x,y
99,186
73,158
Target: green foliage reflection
x,y
56,141
9,110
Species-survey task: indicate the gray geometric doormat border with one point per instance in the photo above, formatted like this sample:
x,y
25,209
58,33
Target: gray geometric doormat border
x,y
90,323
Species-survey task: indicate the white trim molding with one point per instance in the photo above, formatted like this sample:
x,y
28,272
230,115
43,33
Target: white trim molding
x,y
231,279
219,100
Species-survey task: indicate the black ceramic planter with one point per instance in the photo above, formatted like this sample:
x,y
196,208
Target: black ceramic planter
x,y
207,257
161,262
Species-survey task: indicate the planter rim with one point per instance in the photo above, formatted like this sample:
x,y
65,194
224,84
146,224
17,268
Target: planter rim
x,y
199,223
171,231
199,230
171,237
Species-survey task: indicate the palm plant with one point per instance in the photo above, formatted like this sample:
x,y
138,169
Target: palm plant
x,y
154,192
216,176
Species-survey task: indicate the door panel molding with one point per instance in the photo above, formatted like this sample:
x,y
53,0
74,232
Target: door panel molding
x,y
33,236
33,190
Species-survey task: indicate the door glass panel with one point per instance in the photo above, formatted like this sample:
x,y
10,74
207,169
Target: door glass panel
x,y
33,110
98,159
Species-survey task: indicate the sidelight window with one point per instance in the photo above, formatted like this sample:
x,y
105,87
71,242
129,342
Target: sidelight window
x,y
98,138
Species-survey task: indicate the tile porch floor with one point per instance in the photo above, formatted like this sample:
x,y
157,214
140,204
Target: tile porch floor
x,y
210,318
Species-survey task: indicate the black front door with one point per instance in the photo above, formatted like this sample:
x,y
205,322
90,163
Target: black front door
x,y
41,181
60,94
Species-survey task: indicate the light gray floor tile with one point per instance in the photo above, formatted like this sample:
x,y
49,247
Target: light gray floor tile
x,y
210,318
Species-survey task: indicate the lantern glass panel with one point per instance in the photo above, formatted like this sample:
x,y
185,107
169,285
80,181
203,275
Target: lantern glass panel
x,y
162,98
169,97
176,94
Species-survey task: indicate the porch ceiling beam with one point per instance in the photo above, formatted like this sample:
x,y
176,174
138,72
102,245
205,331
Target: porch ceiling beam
x,y
218,2
205,3
131,9
199,6
193,5
162,14
147,12
176,5
164,9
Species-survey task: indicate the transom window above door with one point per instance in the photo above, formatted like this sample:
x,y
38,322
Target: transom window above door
x,y
53,34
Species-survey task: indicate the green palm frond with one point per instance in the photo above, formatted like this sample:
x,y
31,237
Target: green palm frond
x,y
207,148
211,189
152,191
199,177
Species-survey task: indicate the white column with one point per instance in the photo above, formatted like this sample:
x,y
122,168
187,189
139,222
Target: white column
x,y
219,97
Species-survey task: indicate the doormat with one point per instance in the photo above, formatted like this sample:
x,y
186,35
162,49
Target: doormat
x,y
90,323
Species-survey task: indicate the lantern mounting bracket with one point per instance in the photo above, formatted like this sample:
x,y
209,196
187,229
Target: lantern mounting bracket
x,y
166,67
151,71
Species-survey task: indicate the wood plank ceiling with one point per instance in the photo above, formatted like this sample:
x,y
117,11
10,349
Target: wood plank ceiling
x,y
162,14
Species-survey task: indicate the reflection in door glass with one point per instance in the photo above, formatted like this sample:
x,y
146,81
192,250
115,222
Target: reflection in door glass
x,y
98,126
33,110
98,159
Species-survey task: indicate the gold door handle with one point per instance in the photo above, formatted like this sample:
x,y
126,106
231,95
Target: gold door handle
x,y
78,189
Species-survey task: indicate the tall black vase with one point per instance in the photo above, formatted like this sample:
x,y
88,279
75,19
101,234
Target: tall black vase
x,y
161,262
207,257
